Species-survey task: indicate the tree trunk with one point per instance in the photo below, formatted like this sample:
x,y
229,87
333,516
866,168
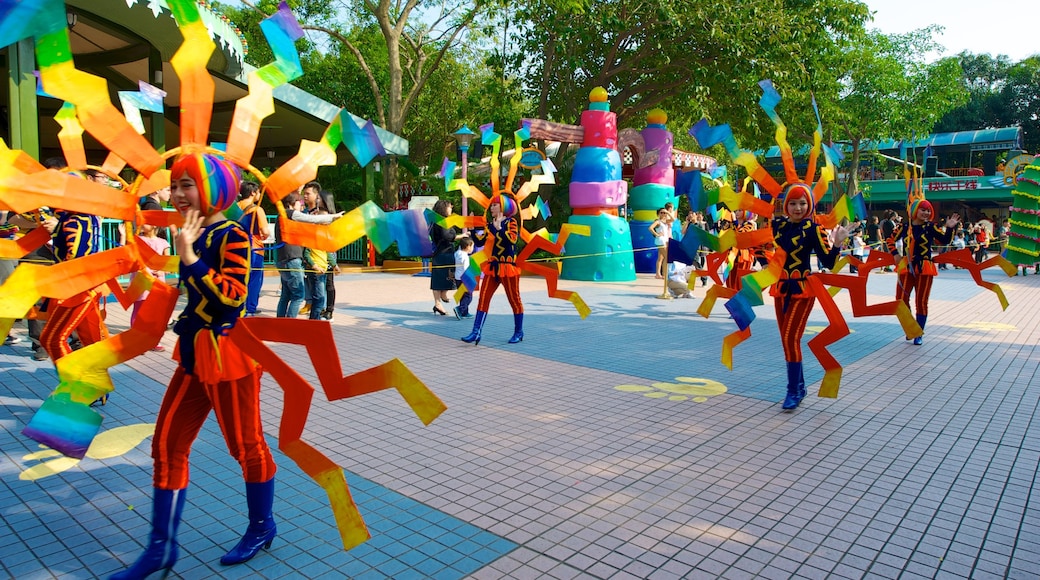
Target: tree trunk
x,y
852,183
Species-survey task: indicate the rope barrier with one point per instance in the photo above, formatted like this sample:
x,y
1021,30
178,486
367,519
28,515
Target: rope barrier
x,y
364,269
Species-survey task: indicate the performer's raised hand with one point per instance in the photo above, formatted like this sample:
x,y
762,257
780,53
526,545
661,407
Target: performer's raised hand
x,y
189,232
838,235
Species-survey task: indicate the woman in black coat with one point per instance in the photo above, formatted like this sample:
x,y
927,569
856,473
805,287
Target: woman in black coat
x,y
442,277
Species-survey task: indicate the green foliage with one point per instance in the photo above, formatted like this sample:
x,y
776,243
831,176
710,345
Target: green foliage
x,y
885,88
1001,94
692,59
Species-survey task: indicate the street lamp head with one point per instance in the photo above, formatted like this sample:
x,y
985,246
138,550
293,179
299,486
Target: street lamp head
x,y
463,137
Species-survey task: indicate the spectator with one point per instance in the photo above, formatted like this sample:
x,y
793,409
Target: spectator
x,y
982,244
461,265
290,257
327,203
661,229
679,280
443,264
254,221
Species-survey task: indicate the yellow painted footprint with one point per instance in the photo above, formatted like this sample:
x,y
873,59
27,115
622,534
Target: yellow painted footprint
x,y
107,444
688,388
987,326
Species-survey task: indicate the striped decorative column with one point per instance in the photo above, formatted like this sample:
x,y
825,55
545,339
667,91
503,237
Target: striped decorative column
x,y
1023,247
596,192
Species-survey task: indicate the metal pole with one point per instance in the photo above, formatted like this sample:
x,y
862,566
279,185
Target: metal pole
x,y
465,202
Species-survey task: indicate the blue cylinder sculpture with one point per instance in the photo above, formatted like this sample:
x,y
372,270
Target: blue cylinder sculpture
x,y
604,255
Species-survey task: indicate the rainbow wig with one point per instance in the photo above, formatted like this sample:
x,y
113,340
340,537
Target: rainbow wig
x,y
917,204
508,204
216,179
797,190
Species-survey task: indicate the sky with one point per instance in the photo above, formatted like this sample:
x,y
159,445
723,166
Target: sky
x,y
977,26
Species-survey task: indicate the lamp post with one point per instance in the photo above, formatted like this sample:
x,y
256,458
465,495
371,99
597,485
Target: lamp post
x,y
463,137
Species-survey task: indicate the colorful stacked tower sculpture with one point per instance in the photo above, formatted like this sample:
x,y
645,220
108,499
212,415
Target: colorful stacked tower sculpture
x,y
654,186
1023,247
596,192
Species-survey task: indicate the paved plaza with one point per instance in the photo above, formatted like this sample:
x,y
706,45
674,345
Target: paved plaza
x,y
616,446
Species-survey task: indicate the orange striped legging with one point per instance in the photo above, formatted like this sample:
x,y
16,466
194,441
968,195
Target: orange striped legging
x,y
84,318
920,285
792,324
184,409
512,287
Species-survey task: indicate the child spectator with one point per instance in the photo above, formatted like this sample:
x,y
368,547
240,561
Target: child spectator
x,y
959,244
149,235
461,265
679,280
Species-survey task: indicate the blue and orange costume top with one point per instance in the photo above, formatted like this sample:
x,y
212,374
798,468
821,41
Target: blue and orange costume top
x,y
216,292
502,260
500,267
920,239
77,235
799,240
793,300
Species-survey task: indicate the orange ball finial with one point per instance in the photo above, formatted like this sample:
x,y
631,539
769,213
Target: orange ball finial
x,y
598,95
657,117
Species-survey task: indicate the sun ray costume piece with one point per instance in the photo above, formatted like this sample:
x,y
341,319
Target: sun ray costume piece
x,y
65,421
540,239
787,272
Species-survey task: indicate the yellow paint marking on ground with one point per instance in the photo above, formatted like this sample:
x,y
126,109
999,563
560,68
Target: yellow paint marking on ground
x,y
685,389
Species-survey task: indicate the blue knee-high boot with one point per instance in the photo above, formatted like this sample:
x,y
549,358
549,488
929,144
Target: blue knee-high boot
x,y
161,552
518,328
478,325
261,530
921,320
795,385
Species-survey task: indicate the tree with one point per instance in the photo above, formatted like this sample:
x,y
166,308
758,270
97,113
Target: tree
x,y
675,54
983,76
417,35
1001,94
888,90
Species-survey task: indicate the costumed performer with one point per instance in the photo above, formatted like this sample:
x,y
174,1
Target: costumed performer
x,y
798,235
75,236
213,373
919,237
503,231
